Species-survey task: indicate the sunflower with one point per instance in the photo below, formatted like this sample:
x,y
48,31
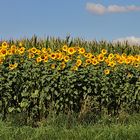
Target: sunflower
x,y
13,49
33,50
127,61
31,55
4,44
81,50
123,55
21,50
49,50
107,61
53,66
59,56
88,61
136,65
100,57
45,58
137,57
9,52
120,61
103,51
66,58
42,56
93,57
110,56
63,65
3,52
112,63
78,62
71,50
44,50
38,59
94,61
117,56
38,52
86,55
53,56
106,71
13,66
74,68
89,55
65,48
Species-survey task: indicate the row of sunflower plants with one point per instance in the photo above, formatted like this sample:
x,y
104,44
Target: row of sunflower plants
x,y
36,78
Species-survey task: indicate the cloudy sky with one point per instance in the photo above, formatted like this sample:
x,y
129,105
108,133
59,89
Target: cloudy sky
x,y
88,19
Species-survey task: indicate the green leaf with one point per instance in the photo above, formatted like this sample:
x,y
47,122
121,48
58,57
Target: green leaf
x,y
84,88
35,94
24,104
48,97
24,94
10,109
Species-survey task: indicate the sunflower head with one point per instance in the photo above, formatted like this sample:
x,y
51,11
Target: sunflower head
x,y
65,48
106,71
71,50
78,62
100,57
66,58
81,50
4,44
103,51
38,59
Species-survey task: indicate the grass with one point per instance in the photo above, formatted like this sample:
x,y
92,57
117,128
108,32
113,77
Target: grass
x,y
58,129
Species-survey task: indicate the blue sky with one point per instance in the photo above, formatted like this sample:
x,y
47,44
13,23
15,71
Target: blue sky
x,y
24,18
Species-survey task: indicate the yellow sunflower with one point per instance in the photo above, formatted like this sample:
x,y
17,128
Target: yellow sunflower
x,y
112,63
103,51
66,58
38,59
53,56
21,50
81,50
88,61
120,61
13,66
45,58
94,62
4,44
110,56
78,62
3,52
127,61
100,57
136,65
31,55
74,68
71,50
33,50
106,71
65,48
44,50
53,66
63,65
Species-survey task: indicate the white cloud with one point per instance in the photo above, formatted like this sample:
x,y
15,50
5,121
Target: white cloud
x,y
131,40
101,9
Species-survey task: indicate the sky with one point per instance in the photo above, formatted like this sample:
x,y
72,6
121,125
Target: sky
x,y
87,19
